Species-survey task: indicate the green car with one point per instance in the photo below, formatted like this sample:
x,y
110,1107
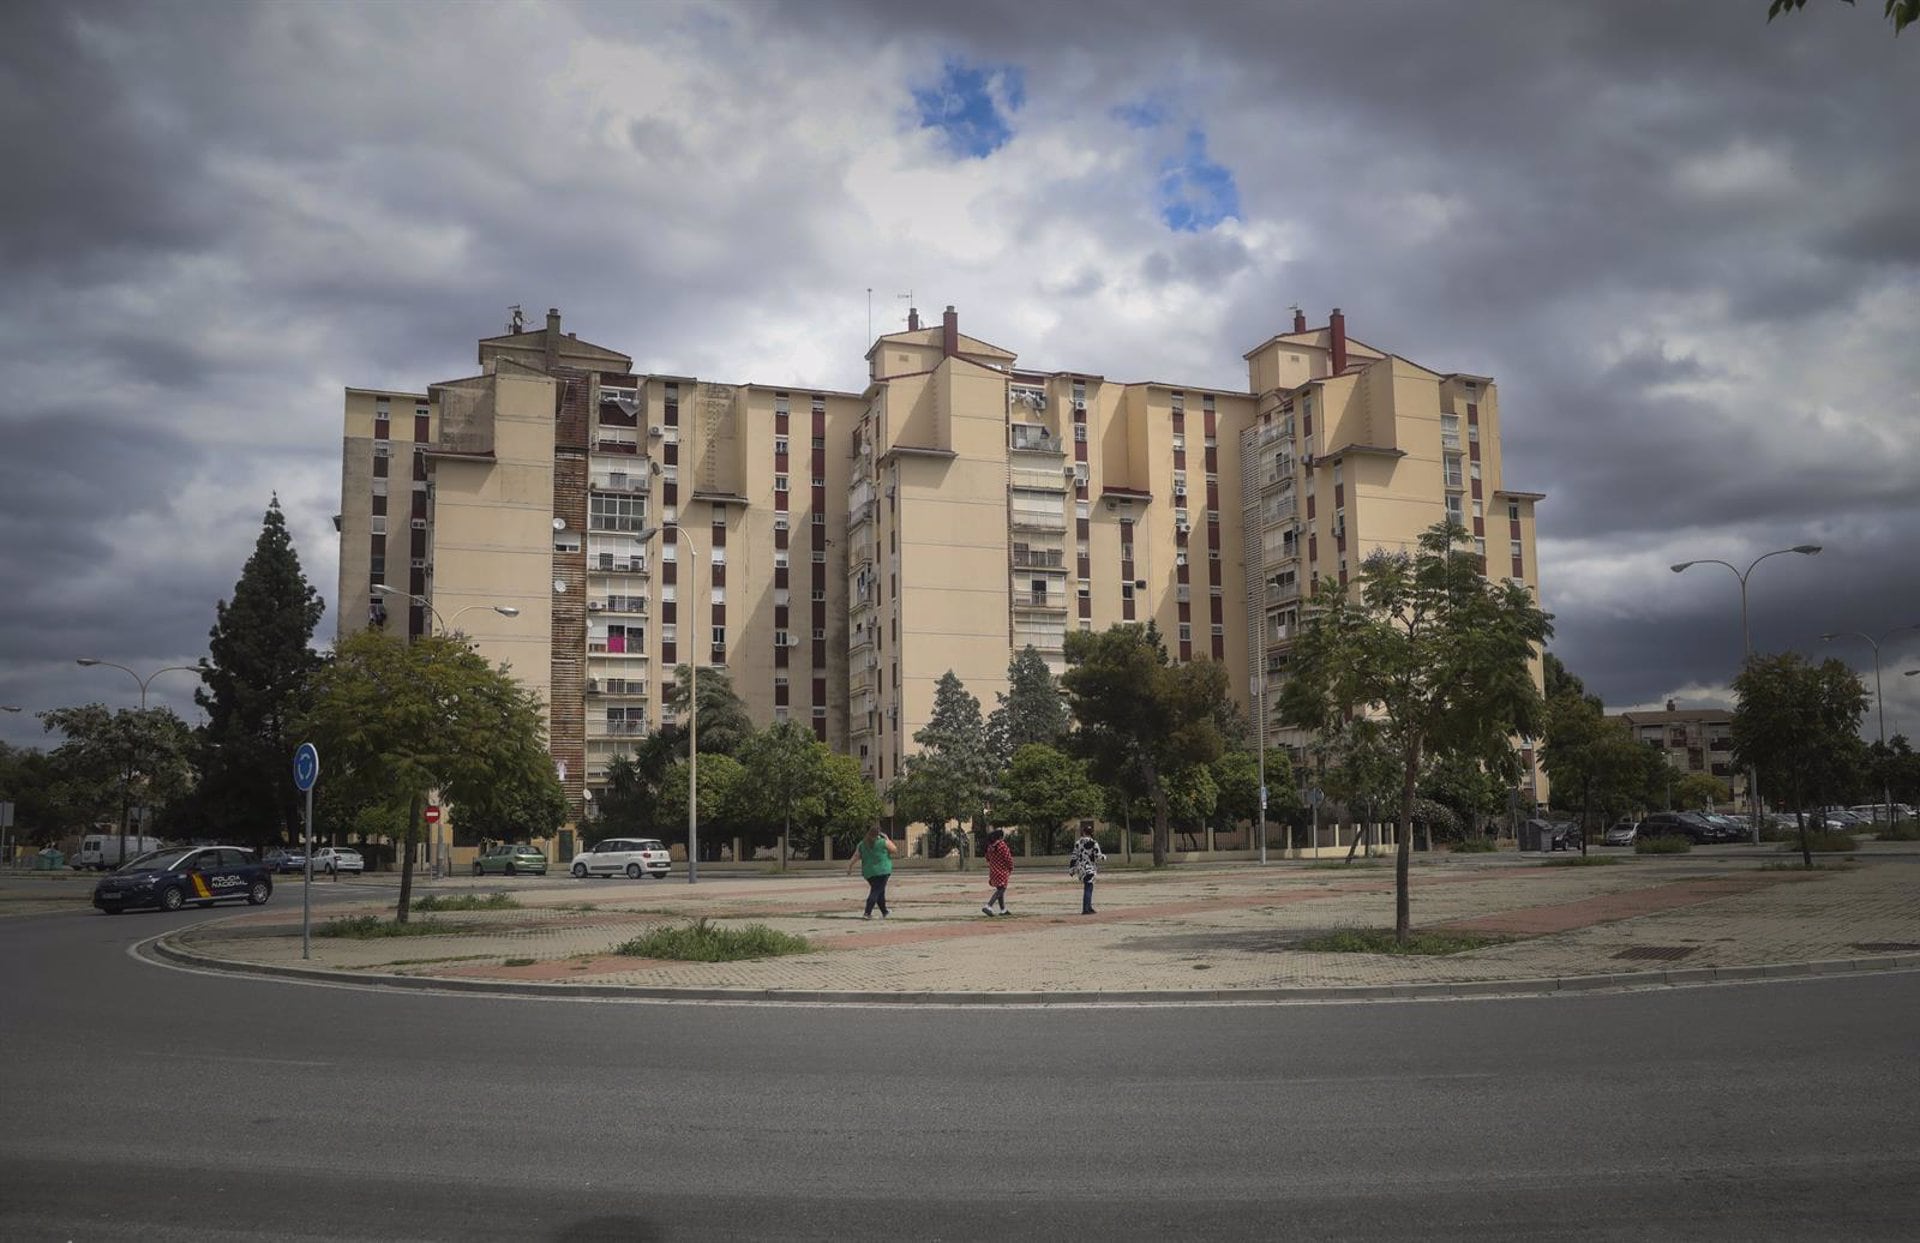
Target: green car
x,y
511,860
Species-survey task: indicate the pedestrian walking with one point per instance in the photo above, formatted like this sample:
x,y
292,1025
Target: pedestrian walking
x,y
1087,859
875,857
999,870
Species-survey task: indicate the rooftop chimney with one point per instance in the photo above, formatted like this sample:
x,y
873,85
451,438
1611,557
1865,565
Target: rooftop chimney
x,y
913,319
950,333
553,337
1337,329
1673,705
1299,320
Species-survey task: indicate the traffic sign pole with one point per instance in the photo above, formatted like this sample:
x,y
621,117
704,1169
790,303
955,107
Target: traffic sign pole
x,y
306,773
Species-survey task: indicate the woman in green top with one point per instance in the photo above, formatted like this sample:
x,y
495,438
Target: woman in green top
x,y
875,853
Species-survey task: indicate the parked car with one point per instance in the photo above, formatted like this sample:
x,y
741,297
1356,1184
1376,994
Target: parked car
x,y
169,879
336,859
1726,828
1620,832
286,860
632,857
511,860
1685,824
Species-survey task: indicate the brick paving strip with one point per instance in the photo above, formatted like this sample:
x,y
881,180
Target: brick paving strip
x,y
1609,908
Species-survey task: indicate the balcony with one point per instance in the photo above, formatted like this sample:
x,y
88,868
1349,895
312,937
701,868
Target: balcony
x,y
615,729
1040,558
1034,438
1035,520
612,563
604,647
1039,602
618,604
625,482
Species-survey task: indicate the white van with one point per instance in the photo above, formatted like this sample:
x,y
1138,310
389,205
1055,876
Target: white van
x,y
632,857
101,851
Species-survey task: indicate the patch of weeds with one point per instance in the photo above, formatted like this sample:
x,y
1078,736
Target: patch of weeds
x,y
1662,844
372,927
1583,861
571,907
1474,846
705,941
518,962
1899,831
1382,941
1359,862
467,902
1823,842
1820,865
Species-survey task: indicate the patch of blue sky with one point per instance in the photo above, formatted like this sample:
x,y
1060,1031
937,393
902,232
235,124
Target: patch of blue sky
x,y
972,105
1196,193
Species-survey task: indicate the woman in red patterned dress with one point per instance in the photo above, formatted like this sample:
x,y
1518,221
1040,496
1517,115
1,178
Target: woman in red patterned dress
x,y
999,870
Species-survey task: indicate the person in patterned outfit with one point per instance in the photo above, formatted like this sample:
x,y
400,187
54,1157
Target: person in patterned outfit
x,y
999,870
1086,865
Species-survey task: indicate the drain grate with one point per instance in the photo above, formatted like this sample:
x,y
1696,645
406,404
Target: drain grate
x,y
1656,953
1886,947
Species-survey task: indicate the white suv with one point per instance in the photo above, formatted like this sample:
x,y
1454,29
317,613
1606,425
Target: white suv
x,y
338,859
632,856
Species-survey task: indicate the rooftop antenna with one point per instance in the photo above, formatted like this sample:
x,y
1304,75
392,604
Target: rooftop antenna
x,y
906,297
869,314
517,320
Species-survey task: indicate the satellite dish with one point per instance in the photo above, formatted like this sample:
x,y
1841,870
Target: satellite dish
x,y
559,524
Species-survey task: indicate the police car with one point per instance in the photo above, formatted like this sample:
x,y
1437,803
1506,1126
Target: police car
x,y
169,879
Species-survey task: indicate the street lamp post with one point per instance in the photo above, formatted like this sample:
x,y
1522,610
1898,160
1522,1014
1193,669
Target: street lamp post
x,y
693,710
1886,788
1746,649
126,793
1258,687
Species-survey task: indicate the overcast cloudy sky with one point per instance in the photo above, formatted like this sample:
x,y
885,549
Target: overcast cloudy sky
x,y
1686,242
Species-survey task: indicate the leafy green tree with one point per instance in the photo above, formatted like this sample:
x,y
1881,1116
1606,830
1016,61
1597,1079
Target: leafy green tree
x,y
1473,789
1561,681
110,762
515,813
1236,778
1594,763
1700,792
788,771
1434,650
951,778
724,723
395,720
1192,796
848,804
255,675
625,807
1047,790
1032,710
1142,718
721,784
1799,723
27,780
1902,13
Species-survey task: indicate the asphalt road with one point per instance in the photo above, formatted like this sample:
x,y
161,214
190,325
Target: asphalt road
x,y
140,1101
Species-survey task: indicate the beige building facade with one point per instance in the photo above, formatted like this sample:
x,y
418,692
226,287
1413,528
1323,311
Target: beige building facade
x,y
838,553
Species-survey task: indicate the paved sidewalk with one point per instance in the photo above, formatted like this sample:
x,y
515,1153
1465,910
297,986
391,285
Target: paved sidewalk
x,y
1186,932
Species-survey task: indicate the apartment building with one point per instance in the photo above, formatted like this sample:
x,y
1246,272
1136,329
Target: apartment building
x,y
1694,740
1354,450
838,552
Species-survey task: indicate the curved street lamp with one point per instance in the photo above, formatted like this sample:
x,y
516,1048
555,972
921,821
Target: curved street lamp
x,y
1880,698
645,536
1746,647
89,662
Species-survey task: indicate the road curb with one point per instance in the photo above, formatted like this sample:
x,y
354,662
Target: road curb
x,y
164,948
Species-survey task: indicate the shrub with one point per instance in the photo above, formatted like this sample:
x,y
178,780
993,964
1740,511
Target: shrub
x,y
1474,846
372,927
1900,831
467,902
1381,941
704,941
1584,861
1823,841
1662,844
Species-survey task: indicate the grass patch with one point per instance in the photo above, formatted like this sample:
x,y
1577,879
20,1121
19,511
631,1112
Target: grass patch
x,y
1474,846
1583,861
1382,941
1359,861
1662,844
372,927
1899,831
1823,842
1821,865
704,941
467,902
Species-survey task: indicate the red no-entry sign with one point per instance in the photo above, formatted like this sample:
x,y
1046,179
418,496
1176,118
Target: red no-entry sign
x,y
433,814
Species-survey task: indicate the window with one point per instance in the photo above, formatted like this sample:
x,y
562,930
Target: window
x,y
782,639
719,636
1479,510
1479,547
1513,511
819,632
1473,470
819,519
718,554
669,593
1080,432
780,445
779,679
719,595
780,559
1186,632
669,633
779,483
780,523
819,595
820,558
1513,546
1336,473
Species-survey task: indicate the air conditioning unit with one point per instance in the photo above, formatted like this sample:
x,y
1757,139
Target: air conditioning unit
x,y
1182,528
593,686
594,606
1179,489
655,432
